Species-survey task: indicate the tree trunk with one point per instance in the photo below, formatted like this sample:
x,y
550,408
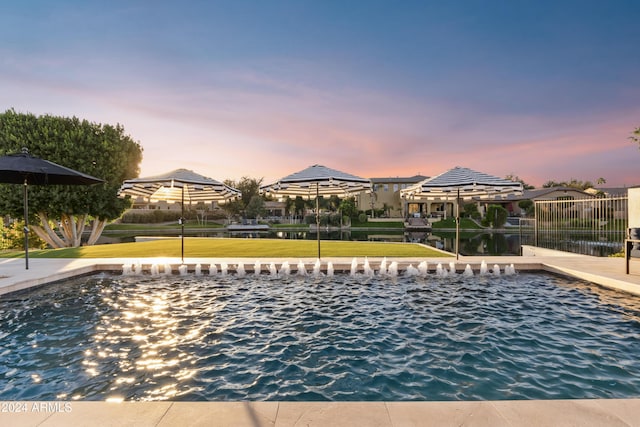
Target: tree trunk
x,y
96,231
44,236
70,228
46,233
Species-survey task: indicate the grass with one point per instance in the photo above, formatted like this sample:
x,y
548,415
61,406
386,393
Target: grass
x,y
236,248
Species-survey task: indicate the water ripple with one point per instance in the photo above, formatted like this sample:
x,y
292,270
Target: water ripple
x,y
528,336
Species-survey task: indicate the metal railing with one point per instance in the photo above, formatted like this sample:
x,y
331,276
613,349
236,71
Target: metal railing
x,y
594,226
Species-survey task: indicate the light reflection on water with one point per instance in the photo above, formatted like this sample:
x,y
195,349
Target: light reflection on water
x,y
529,336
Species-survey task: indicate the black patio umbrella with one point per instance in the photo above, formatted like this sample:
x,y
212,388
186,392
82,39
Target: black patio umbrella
x,y
23,168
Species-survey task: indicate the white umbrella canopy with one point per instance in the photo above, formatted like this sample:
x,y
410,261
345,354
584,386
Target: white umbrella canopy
x,y
169,186
316,181
465,184
179,185
462,183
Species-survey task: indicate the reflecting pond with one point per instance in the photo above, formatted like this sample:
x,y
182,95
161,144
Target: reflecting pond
x,y
474,243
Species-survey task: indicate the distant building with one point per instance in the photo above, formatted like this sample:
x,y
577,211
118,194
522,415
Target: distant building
x,y
274,209
551,193
386,195
608,191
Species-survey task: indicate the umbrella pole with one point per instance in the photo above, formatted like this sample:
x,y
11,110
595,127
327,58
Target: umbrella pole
x,y
318,215
26,225
182,225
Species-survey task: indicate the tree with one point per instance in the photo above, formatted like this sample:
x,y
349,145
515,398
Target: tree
x,y
60,213
348,207
300,205
496,216
635,136
528,206
573,183
470,210
516,178
255,207
249,187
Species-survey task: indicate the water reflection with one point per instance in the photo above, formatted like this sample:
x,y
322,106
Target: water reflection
x,y
141,339
484,243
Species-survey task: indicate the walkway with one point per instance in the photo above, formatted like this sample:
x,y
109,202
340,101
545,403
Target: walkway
x,y
607,272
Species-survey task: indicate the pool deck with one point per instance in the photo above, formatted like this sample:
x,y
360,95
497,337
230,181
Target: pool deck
x,y
607,272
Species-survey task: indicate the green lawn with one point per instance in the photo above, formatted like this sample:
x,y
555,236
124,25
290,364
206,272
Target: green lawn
x,y
236,248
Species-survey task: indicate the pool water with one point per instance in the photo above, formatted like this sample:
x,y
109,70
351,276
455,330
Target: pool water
x,y
344,338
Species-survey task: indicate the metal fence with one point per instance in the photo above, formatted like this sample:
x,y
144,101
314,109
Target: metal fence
x,y
595,226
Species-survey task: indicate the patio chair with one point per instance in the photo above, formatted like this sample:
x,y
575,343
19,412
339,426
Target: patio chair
x,y
632,245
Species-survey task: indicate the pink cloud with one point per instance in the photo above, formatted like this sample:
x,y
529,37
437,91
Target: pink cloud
x,y
261,126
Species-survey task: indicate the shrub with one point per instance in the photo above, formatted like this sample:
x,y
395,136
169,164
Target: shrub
x,y
527,206
13,237
334,219
470,210
496,216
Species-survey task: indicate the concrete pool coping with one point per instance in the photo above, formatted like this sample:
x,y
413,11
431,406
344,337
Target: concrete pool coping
x,y
597,412
607,272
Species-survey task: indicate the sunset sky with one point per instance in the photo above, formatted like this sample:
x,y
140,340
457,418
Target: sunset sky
x,y
545,90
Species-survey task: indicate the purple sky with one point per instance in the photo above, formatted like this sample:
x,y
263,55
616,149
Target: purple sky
x,y
545,90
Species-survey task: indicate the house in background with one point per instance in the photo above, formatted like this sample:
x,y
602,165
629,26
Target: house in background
x,y
551,193
386,195
607,191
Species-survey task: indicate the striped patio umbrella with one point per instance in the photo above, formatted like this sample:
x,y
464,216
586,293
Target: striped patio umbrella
x,y
316,181
180,185
463,183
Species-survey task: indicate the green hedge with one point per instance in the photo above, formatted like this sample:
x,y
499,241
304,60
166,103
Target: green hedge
x,y
155,216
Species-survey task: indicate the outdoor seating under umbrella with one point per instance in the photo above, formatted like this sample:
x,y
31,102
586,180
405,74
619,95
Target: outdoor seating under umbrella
x,y
462,183
23,168
179,185
316,181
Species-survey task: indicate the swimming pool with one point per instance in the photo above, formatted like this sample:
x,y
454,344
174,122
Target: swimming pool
x,y
343,338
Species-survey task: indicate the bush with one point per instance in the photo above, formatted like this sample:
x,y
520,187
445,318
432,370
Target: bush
x,y
150,217
496,216
13,237
156,216
335,219
527,206
470,210
362,218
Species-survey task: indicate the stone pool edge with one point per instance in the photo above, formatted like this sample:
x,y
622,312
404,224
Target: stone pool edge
x,y
583,412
